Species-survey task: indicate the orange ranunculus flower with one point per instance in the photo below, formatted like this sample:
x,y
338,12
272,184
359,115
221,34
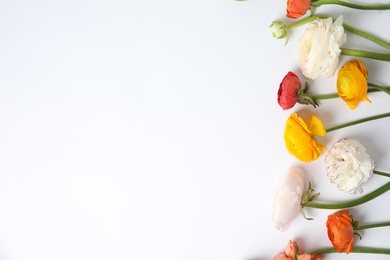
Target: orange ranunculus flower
x,y
340,231
352,83
299,139
293,252
297,8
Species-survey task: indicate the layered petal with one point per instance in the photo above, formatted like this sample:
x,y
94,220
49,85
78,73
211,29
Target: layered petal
x,y
294,252
340,231
288,89
297,8
299,139
319,47
349,165
287,198
352,83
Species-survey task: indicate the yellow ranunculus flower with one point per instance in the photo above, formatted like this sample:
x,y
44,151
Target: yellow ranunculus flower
x,y
352,83
299,139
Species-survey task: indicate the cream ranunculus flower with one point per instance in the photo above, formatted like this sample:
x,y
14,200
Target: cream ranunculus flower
x,y
349,165
287,198
319,47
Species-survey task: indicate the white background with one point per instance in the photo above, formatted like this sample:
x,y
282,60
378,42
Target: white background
x,y
150,130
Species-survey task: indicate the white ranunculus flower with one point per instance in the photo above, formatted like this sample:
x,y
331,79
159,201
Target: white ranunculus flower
x,y
319,47
287,198
349,165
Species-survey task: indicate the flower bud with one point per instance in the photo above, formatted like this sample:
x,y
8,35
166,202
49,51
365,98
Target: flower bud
x,y
279,30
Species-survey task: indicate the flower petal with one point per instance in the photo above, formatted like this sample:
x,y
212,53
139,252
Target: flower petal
x,y
316,126
287,198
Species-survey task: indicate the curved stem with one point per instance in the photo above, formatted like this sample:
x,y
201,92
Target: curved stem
x,y
367,35
351,5
365,54
382,173
363,250
357,122
351,203
375,225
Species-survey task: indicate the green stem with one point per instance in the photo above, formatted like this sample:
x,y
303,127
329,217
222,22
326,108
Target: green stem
x,y
325,96
357,122
351,5
376,225
366,35
364,250
306,20
351,203
365,54
382,173
375,88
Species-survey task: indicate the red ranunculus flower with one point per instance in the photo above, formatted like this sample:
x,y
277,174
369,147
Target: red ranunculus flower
x,y
288,89
340,231
297,8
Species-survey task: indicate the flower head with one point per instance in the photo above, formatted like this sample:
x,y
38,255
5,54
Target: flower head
x,y
310,257
349,165
298,136
287,198
340,231
352,83
297,8
319,47
279,30
293,252
288,90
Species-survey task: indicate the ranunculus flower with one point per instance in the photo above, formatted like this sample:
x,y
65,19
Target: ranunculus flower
x,y
349,165
298,136
290,253
287,198
288,90
293,252
297,8
340,231
352,83
310,257
319,47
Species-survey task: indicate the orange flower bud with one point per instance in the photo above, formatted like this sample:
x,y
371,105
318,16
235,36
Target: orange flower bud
x,y
340,231
297,8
